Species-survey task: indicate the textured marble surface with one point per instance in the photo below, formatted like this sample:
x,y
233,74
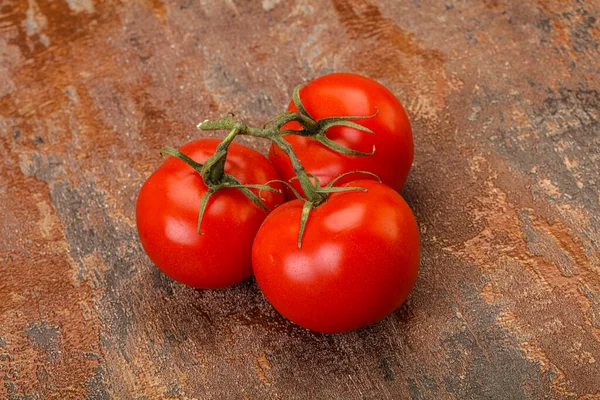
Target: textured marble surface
x,y
504,97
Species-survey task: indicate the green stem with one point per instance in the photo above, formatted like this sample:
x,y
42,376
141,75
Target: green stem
x,y
272,133
271,129
310,191
214,167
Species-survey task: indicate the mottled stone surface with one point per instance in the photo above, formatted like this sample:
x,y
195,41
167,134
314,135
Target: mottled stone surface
x,y
505,102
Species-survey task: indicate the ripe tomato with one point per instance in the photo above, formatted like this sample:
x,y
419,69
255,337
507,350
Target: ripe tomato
x,y
167,216
344,94
358,262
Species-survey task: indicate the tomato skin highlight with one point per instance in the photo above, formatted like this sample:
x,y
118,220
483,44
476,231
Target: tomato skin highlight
x,y
346,94
358,262
167,216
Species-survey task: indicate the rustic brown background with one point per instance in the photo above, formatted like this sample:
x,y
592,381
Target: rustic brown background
x,y
504,96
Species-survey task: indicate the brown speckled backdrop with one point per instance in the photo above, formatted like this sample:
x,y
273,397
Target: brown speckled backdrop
x,y
504,96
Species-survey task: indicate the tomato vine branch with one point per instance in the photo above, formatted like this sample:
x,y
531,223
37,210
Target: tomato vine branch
x,y
213,171
207,171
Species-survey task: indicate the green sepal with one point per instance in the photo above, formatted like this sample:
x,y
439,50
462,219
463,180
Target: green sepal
x,y
329,189
230,181
337,178
183,157
298,102
203,204
255,186
335,146
289,187
252,196
306,208
327,123
349,124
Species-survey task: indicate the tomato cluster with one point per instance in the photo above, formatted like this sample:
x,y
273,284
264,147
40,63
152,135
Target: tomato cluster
x,y
343,255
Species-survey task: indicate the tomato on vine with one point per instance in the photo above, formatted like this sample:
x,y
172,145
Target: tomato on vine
x,y
342,256
358,260
344,94
173,197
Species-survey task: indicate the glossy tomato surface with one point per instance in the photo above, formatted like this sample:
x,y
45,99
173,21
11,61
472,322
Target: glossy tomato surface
x,y
345,94
358,262
167,215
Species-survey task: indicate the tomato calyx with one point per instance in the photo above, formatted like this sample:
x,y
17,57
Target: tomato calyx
x,y
213,174
317,129
322,192
325,192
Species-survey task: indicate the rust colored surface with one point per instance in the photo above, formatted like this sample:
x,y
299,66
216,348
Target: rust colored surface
x,y
505,102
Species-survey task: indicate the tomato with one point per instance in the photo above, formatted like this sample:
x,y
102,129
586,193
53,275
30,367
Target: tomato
x,y
345,94
358,262
167,216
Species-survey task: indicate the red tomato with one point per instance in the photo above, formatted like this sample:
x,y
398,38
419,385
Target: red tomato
x,y
358,262
344,94
167,216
